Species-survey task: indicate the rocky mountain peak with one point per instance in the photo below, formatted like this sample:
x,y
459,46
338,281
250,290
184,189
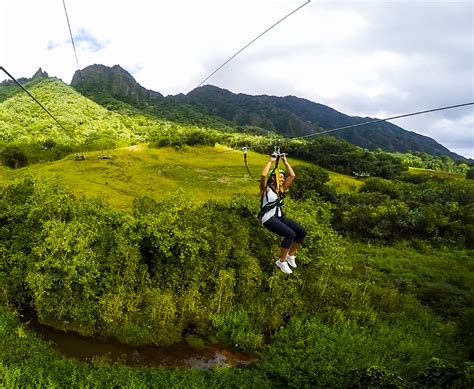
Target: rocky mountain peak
x,y
115,81
40,74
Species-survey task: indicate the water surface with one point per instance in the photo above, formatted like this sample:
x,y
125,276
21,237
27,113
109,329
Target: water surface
x,y
84,348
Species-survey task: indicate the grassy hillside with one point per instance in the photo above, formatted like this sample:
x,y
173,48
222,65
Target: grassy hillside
x,y
436,173
136,171
23,121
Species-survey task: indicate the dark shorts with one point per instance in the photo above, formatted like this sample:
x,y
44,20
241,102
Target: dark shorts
x,y
291,231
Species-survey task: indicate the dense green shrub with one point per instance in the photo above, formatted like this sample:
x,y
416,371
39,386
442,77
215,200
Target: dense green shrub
x,y
167,270
179,136
374,377
427,161
312,181
470,174
311,353
13,157
146,276
443,374
438,210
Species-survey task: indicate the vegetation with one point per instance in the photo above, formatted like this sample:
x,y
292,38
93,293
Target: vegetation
x,y
210,106
137,171
146,276
436,163
13,157
328,152
33,134
160,242
470,174
440,211
29,129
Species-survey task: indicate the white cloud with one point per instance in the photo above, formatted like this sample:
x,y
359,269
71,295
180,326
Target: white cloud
x,y
455,132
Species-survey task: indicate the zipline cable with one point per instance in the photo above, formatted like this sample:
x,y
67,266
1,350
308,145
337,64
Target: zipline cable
x,y
248,44
384,120
37,101
75,55
72,39
277,146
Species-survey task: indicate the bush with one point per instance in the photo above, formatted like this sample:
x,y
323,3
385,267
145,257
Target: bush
x,y
312,180
374,377
443,374
470,174
149,275
13,157
195,341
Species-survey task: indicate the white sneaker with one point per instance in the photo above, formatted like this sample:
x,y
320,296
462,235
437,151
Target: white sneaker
x,y
284,267
291,260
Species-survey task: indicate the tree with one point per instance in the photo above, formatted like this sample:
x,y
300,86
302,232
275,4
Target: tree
x,y
312,180
14,157
470,174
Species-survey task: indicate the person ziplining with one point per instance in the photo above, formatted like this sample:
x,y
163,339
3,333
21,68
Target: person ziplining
x,y
272,189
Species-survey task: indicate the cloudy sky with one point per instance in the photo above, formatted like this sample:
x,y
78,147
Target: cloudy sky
x,y
366,58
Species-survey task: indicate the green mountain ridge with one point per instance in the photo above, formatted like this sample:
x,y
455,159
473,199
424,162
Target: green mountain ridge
x,y
21,118
9,88
116,89
29,135
290,116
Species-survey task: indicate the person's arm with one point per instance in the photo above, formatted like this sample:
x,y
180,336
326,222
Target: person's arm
x,y
290,174
266,169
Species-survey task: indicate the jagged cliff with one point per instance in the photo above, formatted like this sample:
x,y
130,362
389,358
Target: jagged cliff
x,y
115,81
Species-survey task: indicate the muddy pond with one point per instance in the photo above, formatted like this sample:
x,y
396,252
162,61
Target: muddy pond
x,y
180,355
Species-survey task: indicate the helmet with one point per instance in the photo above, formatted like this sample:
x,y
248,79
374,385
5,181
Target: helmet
x,y
280,171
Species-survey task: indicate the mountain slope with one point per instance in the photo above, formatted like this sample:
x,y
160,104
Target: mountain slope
x,y
22,120
290,116
9,88
116,89
294,117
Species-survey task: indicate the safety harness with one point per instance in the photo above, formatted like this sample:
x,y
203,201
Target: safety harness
x,y
278,203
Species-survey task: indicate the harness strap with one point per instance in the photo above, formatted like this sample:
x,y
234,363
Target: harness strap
x,y
273,171
278,203
269,206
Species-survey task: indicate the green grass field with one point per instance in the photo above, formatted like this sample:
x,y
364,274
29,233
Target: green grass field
x,y
199,173
436,173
